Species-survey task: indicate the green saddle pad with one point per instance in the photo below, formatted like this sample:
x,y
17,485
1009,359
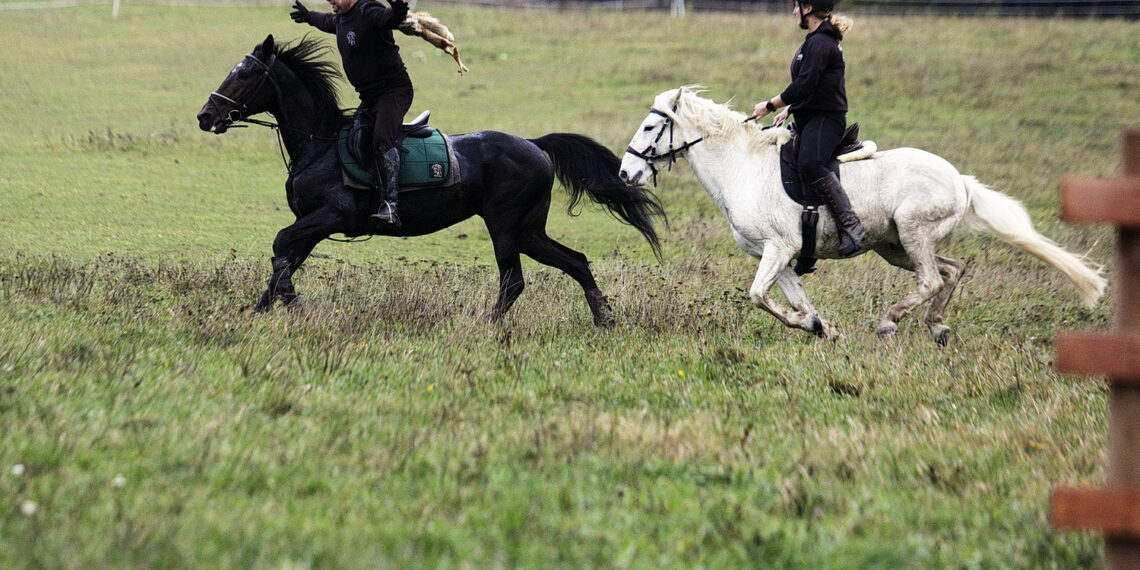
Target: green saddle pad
x,y
424,162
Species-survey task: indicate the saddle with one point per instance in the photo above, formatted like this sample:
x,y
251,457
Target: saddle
x,y
427,159
799,190
850,148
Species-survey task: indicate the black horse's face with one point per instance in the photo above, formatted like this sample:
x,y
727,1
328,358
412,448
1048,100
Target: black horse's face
x,y
246,91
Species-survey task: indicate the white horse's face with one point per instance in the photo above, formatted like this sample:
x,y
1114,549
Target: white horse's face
x,y
649,144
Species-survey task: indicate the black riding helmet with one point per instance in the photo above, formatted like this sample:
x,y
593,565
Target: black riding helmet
x,y
821,5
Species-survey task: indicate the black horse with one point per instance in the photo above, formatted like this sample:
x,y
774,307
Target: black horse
x,y
505,179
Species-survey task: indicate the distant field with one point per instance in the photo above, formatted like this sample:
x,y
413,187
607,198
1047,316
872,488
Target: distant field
x,y
147,419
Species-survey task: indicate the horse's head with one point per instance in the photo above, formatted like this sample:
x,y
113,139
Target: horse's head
x,y
244,92
655,141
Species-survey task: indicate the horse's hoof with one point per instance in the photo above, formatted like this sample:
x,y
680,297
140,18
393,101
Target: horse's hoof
x,y
886,332
261,308
293,302
817,326
600,307
605,321
942,336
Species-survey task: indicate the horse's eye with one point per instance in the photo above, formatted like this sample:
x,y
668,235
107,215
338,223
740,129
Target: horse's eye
x,y
648,128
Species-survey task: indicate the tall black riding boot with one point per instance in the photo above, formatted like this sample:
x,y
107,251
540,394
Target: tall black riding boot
x,y
851,232
388,179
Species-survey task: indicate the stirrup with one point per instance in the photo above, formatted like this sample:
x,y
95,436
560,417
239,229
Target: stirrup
x,y
387,214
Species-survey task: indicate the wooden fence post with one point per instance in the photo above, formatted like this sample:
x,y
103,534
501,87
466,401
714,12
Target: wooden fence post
x,y
1113,510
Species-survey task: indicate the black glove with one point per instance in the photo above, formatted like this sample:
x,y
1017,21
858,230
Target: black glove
x,y
300,14
399,4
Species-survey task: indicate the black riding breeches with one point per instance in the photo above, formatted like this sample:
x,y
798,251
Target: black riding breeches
x,y
819,135
388,112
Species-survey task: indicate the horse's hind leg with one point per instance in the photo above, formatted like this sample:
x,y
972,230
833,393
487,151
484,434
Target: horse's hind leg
x,y
511,283
918,257
952,271
543,249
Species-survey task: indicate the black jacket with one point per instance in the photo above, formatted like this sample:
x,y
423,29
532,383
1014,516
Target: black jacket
x,y
368,51
817,73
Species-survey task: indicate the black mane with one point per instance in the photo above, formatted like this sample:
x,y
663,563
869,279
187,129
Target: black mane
x,y
319,76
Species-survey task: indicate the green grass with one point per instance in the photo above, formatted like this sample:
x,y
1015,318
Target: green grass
x,y
159,424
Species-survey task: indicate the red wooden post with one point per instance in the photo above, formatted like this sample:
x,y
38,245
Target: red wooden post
x,y
1115,509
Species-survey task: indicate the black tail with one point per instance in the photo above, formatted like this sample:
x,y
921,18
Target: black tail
x,y
584,165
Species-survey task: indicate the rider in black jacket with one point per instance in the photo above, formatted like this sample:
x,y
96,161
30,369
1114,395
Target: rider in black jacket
x,y
373,65
817,97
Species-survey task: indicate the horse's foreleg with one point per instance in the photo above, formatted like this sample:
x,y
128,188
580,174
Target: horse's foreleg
x,y
280,285
793,288
773,265
291,248
952,271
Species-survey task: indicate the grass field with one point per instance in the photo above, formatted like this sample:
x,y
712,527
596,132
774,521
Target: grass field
x,y
148,419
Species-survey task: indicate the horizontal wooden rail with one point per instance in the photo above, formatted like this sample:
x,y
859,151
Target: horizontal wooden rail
x,y
1114,512
1115,355
1112,200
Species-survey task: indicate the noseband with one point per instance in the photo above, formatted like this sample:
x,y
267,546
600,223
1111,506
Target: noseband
x,y
650,154
235,114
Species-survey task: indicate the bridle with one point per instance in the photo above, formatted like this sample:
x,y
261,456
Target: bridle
x,y
650,154
236,113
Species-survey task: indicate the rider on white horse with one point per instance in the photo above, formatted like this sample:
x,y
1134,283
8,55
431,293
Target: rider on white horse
x,y
817,97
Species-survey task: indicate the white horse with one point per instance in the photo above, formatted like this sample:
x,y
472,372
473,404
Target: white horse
x,y
908,199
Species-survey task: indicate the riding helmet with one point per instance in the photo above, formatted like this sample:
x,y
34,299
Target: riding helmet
x,y
821,5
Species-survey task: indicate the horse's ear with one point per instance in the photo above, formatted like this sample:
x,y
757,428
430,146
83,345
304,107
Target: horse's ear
x,y
677,100
266,47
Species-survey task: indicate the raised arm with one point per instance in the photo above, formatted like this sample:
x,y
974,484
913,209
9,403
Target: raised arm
x,y
322,21
386,18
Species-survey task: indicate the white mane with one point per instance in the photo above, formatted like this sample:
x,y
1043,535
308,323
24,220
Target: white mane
x,y
719,121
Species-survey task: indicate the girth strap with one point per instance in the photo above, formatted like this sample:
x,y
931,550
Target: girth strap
x,y
809,219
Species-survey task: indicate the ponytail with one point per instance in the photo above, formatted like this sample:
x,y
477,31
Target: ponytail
x,y
842,23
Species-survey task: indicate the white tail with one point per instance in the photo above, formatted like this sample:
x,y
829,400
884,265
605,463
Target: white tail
x,y
1007,218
